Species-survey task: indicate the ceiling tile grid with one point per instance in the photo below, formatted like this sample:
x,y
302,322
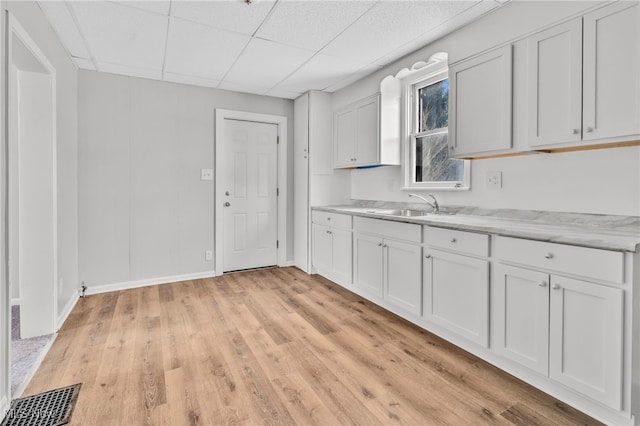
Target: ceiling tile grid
x,y
278,48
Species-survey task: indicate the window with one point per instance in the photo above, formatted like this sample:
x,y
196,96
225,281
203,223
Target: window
x,y
427,162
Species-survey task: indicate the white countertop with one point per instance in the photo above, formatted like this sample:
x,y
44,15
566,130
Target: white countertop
x,y
619,233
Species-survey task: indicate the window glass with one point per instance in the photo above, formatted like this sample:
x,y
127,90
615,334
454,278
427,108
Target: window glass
x,y
434,106
432,160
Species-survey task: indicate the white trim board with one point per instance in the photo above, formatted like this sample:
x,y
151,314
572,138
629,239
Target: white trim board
x,y
106,288
281,122
66,311
15,301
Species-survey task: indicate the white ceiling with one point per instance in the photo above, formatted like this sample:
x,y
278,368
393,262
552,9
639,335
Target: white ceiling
x,y
277,48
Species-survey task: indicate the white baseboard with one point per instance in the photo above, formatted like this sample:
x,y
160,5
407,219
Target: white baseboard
x,y
62,317
147,282
15,301
34,368
288,263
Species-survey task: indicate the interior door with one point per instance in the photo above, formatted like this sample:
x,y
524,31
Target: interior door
x,y
250,195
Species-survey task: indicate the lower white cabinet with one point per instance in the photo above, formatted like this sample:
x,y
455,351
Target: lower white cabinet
x,y
331,250
568,329
368,258
403,275
585,338
521,316
456,294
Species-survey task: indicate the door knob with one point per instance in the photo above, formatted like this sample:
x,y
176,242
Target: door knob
x,y
589,129
428,256
555,287
227,204
548,256
575,131
542,283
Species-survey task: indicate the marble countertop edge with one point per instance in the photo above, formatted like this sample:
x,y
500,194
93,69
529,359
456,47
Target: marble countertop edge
x,y
622,234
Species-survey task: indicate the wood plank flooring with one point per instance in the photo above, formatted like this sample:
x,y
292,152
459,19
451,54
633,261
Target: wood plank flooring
x,y
274,346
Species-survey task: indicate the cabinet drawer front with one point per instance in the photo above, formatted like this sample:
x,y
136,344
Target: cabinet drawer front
x,y
331,219
460,241
588,262
389,229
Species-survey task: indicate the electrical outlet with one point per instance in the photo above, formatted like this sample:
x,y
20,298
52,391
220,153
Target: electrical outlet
x,y
208,255
206,174
494,180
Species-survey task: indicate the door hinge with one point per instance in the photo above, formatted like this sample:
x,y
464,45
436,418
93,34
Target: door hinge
x,y
278,140
277,192
277,243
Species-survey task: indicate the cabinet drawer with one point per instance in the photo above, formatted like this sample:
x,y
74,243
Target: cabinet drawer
x,y
389,229
460,241
588,262
332,219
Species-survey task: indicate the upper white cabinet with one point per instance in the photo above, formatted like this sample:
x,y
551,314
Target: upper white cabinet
x,y
584,79
480,104
555,84
612,72
356,135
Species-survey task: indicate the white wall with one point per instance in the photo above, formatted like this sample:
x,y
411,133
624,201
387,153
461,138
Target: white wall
x,y
144,212
4,284
34,22
602,181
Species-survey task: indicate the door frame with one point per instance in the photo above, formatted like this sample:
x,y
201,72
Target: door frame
x,y
281,121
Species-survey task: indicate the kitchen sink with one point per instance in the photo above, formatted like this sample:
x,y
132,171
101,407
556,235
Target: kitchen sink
x,y
413,213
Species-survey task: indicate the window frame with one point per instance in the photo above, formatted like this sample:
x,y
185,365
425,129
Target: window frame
x,y
426,76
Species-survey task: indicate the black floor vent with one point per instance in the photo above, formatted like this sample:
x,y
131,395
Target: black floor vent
x,y
51,408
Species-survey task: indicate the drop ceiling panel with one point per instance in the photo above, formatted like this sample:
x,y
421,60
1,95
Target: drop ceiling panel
x,y
122,35
129,71
202,51
390,24
188,79
156,6
234,15
265,63
62,22
311,24
242,87
320,72
278,93
85,64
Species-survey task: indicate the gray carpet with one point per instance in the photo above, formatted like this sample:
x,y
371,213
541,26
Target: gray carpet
x,y
24,352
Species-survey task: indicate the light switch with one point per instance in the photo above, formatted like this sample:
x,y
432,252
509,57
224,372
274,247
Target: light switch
x,y
494,180
206,174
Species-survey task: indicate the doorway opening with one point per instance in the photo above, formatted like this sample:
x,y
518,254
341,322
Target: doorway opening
x,y
250,191
32,204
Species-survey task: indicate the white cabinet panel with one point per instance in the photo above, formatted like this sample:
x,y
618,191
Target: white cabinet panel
x,y
555,84
367,139
341,266
612,72
521,316
586,338
322,248
403,275
456,294
481,103
368,263
344,124
356,136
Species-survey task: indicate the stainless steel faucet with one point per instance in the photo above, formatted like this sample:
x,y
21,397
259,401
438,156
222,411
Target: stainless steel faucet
x,y
434,204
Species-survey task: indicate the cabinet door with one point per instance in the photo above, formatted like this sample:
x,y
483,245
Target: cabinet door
x,y
342,256
367,132
322,248
480,99
403,275
586,343
612,72
456,294
555,84
521,316
368,258
344,128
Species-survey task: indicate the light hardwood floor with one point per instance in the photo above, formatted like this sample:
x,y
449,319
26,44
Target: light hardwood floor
x,y
273,346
